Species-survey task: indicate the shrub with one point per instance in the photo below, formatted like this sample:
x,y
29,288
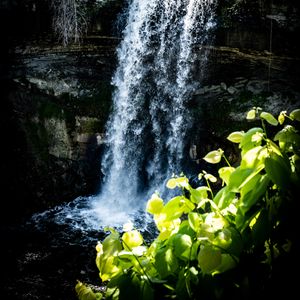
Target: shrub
x,y
210,245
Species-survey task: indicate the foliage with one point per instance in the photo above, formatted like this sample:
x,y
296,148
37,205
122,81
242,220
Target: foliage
x,y
207,236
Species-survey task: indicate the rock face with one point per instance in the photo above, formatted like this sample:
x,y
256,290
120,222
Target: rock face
x,y
57,99
59,102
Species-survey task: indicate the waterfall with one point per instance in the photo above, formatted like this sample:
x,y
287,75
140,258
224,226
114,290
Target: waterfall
x,y
153,82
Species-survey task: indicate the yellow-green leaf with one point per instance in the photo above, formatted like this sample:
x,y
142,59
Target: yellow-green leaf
x,y
214,157
251,114
269,118
155,205
225,173
209,258
132,239
295,114
281,117
236,136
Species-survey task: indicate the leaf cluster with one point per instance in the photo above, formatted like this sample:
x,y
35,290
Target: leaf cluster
x,y
205,235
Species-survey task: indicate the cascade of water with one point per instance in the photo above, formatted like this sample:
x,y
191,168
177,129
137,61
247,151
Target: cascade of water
x,y
153,82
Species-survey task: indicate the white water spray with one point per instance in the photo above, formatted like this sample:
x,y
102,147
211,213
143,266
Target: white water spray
x,y
147,130
153,82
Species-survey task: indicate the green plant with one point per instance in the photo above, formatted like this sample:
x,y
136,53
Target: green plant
x,y
208,237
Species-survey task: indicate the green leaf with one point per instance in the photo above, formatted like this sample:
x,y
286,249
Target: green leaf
x,y
194,221
225,173
261,228
288,138
269,118
295,114
224,197
171,184
247,142
132,239
165,262
250,184
174,208
182,244
236,136
155,205
237,178
281,117
278,169
199,194
254,158
209,258
178,182
251,114
227,263
214,157
252,197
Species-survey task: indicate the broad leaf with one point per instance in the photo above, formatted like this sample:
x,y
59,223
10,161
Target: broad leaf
x,y
247,142
209,258
182,244
225,173
155,205
194,221
132,239
269,118
165,262
224,197
251,114
214,157
236,136
278,169
253,196
295,114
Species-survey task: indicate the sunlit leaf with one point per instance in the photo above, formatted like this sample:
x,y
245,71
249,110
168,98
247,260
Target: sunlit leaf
x,y
253,196
223,238
132,239
199,194
247,143
236,136
155,205
237,178
224,197
225,173
295,114
165,262
251,114
281,117
194,220
214,157
209,258
182,244
174,208
254,158
210,177
269,118
171,184
288,138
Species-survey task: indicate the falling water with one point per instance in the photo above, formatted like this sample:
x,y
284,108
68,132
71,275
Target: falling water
x,y
153,82
147,130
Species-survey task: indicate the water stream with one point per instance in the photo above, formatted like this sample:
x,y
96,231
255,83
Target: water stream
x,y
147,130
